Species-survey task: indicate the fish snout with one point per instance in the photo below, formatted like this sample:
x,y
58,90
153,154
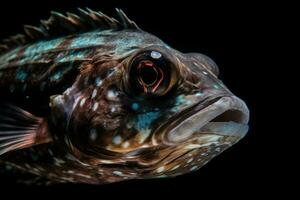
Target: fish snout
x,y
226,117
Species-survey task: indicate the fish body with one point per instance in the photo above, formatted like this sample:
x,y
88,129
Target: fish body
x,y
88,99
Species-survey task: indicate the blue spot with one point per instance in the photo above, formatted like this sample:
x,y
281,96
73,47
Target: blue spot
x,y
180,100
135,106
21,75
74,55
198,94
144,120
124,44
218,149
221,83
42,46
98,81
56,76
216,86
117,139
175,109
87,40
109,72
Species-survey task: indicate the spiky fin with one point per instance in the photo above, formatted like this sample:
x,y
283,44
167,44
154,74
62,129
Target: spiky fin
x,y
61,25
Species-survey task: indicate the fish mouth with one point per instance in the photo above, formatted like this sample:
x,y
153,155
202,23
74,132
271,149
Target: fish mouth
x,y
226,116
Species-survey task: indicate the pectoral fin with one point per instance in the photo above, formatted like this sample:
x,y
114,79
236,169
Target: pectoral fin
x,y
20,129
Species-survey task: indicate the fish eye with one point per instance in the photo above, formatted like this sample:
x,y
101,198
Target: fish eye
x,y
151,74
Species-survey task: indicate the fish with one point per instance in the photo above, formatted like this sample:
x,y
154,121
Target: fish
x,y
87,98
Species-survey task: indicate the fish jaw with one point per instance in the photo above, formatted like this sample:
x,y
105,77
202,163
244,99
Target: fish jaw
x,y
227,116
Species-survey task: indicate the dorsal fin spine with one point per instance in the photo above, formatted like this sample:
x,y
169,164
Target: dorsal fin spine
x,y
62,25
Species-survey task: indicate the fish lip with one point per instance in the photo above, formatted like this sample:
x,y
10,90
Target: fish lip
x,y
202,119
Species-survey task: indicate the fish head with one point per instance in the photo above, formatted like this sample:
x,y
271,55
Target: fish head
x,y
150,112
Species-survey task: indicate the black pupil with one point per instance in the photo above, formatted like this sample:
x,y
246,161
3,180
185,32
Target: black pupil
x,y
148,75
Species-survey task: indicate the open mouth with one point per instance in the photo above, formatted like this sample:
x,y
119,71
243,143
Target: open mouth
x,y
226,116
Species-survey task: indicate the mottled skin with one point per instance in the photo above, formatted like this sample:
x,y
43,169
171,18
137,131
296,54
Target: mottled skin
x,y
102,131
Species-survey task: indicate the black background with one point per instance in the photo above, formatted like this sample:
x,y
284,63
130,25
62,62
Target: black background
x,y
239,38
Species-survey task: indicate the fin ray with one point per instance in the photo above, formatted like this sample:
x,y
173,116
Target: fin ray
x,y
20,129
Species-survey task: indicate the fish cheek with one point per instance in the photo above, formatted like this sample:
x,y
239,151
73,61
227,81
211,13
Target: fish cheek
x,y
93,129
90,110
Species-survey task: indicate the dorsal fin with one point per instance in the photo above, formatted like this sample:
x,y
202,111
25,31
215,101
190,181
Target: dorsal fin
x,y
61,25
